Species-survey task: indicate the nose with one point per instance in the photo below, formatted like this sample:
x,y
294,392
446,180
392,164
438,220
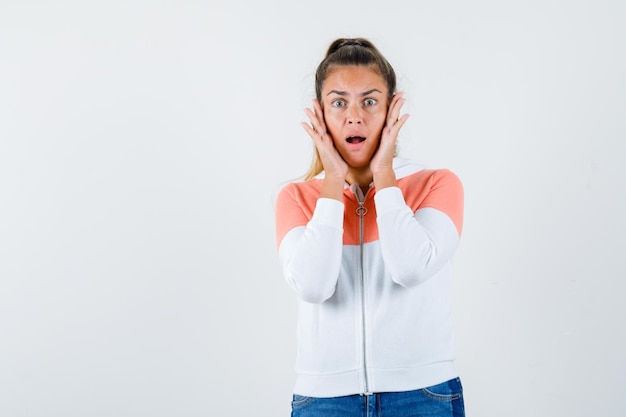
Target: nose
x,y
353,115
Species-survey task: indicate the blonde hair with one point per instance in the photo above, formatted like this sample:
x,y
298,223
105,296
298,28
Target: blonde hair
x,y
315,168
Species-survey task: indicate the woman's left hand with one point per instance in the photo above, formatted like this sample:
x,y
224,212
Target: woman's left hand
x,y
383,159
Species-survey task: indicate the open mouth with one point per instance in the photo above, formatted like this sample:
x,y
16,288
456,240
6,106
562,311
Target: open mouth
x,y
355,139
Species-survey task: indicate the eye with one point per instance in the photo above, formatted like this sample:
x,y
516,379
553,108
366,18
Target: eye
x,y
369,102
339,103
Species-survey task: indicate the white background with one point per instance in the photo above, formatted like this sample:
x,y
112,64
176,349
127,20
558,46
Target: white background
x,y
142,143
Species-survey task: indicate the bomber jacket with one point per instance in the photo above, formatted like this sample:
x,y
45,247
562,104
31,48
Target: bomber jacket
x,y
372,276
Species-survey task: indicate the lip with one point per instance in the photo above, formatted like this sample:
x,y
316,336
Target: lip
x,y
355,145
355,139
355,136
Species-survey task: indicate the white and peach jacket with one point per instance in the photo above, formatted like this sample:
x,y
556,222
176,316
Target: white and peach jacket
x,y
372,276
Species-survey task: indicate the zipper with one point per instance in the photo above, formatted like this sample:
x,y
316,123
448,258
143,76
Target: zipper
x,y
361,212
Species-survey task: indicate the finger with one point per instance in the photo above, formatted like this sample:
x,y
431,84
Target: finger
x,y
401,121
320,114
316,118
394,100
316,129
394,109
310,127
394,129
309,130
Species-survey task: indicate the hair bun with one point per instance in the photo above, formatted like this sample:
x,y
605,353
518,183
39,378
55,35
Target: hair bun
x,y
346,42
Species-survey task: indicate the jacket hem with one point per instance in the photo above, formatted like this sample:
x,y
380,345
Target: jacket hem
x,y
380,380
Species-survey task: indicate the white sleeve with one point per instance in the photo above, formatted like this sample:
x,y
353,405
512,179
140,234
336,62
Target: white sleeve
x,y
414,246
311,255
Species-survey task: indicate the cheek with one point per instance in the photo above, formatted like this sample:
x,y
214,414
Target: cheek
x,y
380,121
379,114
332,121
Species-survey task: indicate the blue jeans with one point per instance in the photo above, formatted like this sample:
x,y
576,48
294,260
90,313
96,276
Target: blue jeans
x,y
441,400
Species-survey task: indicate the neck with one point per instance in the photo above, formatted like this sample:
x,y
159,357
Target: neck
x,y
363,177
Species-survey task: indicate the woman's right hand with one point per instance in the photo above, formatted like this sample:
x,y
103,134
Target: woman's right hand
x,y
335,168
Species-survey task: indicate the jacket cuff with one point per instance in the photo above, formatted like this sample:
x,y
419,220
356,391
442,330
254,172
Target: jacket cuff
x,y
328,211
389,199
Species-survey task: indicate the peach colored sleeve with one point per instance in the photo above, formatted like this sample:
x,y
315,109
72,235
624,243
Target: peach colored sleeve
x,y
439,189
295,206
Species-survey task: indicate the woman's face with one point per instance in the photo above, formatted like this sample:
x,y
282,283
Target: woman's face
x,y
354,101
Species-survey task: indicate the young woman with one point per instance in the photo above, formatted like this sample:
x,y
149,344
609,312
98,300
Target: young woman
x,y
366,243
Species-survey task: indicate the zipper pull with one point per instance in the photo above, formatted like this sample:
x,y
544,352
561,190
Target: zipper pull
x,y
361,210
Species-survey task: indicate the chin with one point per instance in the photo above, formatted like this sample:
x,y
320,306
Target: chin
x,y
359,164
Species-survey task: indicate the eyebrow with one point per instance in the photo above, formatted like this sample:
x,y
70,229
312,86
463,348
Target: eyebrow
x,y
365,93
